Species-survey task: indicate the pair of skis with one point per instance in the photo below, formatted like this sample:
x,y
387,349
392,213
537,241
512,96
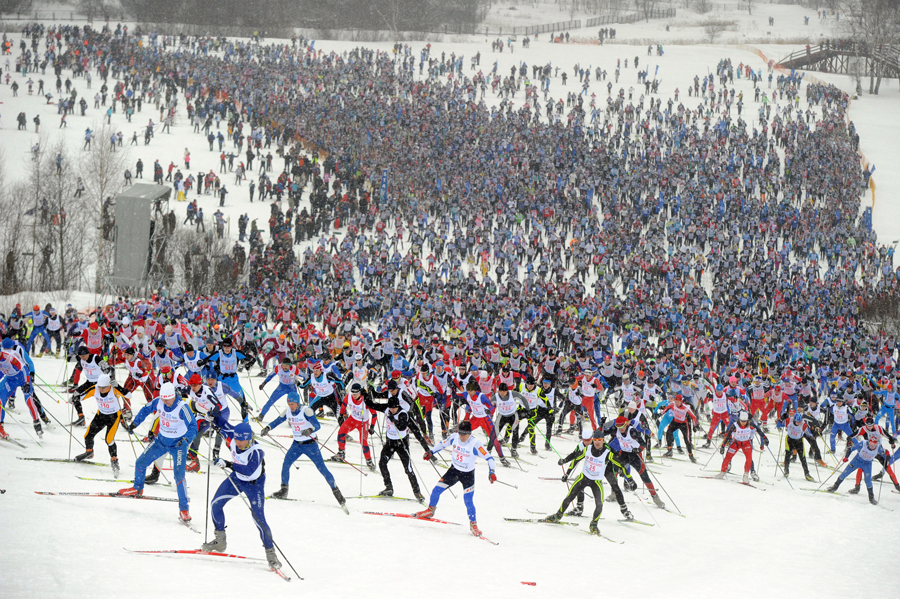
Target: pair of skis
x,y
199,553
544,521
435,520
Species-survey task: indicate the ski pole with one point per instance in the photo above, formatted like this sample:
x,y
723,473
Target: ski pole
x,y
833,472
71,436
507,484
780,441
659,484
778,466
344,461
71,423
208,470
259,524
51,387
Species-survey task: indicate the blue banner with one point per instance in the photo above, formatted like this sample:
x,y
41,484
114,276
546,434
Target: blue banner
x,y
384,184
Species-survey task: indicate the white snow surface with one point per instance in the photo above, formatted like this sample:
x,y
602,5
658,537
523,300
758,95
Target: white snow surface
x,y
745,542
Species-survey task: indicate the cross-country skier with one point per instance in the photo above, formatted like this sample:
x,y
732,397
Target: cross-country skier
x,y
108,416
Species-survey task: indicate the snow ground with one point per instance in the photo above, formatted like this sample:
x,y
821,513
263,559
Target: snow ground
x,y
780,542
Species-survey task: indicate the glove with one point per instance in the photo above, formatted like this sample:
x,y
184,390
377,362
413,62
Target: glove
x,y
492,477
560,462
372,429
564,477
722,450
129,428
261,385
221,463
180,443
26,388
845,459
427,456
305,432
264,431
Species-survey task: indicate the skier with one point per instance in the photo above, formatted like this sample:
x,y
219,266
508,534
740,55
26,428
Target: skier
x,y
15,375
574,458
797,429
358,419
681,413
304,425
177,428
247,476
108,416
628,440
739,436
466,450
866,451
397,424
597,456
212,412
287,383
226,364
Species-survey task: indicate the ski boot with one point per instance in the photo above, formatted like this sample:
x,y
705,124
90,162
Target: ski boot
x,y
37,429
89,453
218,544
533,450
706,445
555,517
547,446
787,473
514,452
576,511
872,499
281,493
746,479
505,462
570,430
79,421
649,458
418,495
593,529
114,462
386,492
878,476
370,464
668,453
131,492
833,488
626,513
473,526
11,404
184,516
679,450
720,475
630,485
658,501
809,478
426,513
44,418
754,476
272,558
193,464
854,490
658,444
340,499
692,458
153,477
338,457
3,434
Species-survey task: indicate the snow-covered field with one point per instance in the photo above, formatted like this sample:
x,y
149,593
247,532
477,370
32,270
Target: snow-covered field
x,y
772,541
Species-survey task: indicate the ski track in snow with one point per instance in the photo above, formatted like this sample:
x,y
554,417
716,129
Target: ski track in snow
x,y
72,546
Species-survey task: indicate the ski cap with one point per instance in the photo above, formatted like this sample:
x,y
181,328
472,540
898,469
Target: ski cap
x,y
293,397
103,380
195,379
465,428
798,418
598,434
243,432
8,343
621,421
744,417
632,405
167,391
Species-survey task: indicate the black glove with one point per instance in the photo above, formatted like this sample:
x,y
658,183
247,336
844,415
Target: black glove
x,y
305,432
565,477
722,450
129,428
264,431
560,462
26,388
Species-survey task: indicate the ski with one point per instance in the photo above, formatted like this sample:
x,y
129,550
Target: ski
x,y
665,509
540,521
14,442
282,574
195,552
632,521
412,517
557,479
384,497
273,498
118,480
147,497
187,524
597,534
484,538
63,460
729,480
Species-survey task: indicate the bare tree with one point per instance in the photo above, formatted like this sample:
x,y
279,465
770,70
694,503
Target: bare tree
x,y
874,26
702,6
102,171
714,28
646,7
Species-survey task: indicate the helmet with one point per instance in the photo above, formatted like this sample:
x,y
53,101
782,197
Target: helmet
x,y
167,391
293,397
103,380
243,432
465,427
195,379
744,417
